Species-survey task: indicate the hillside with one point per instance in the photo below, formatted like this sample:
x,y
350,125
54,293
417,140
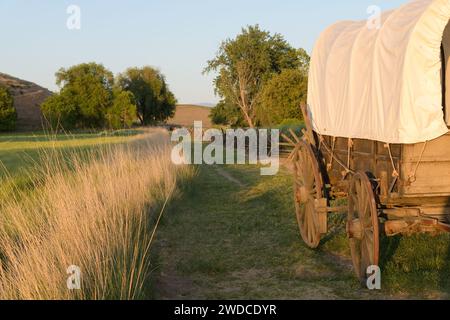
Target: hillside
x,y
185,116
28,97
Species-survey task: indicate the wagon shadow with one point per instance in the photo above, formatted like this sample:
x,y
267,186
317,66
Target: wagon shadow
x,y
444,276
336,226
388,249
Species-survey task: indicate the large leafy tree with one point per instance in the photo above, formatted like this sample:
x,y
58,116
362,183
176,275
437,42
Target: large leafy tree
x,y
243,66
282,96
155,102
85,96
8,115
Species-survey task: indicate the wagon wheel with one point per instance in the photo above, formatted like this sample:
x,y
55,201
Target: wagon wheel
x,y
308,188
363,225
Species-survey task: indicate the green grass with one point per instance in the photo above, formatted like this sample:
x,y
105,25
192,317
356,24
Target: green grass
x,y
417,266
224,241
97,214
22,151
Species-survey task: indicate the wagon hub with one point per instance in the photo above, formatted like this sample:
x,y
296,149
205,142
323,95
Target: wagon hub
x,y
355,229
302,195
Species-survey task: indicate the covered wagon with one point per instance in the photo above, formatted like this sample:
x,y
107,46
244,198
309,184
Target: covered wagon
x,y
377,134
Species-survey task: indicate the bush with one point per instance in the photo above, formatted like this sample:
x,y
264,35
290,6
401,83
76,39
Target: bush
x,y
8,114
291,124
123,111
60,110
227,114
282,96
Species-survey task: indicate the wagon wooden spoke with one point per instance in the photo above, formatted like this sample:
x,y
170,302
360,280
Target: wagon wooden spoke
x,y
299,182
308,187
362,225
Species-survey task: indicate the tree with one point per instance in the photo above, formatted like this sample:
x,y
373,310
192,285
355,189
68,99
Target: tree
x,y
244,64
282,96
228,114
155,102
123,111
86,94
305,61
8,114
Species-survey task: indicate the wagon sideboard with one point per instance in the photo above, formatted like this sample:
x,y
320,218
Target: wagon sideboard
x,y
423,169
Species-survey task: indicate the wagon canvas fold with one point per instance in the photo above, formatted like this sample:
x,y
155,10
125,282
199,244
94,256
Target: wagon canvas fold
x,y
382,83
377,132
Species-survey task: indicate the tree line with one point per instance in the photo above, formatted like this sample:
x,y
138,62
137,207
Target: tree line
x,y
90,96
260,78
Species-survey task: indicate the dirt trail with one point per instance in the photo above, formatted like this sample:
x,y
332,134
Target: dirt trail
x,y
228,176
232,238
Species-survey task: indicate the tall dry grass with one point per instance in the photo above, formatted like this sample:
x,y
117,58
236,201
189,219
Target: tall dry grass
x,y
96,212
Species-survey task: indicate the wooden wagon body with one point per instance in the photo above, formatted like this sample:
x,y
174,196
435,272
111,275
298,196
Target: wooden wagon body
x,y
391,189
415,175
410,181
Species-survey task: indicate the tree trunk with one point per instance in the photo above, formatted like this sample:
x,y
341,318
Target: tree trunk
x,y
141,119
249,120
245,108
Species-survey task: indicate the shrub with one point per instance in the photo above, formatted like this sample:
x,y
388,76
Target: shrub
x,y
227,114
123,111
8,114
292,124
282,96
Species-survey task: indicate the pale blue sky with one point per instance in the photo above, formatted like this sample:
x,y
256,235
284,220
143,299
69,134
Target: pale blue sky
x,y
176,36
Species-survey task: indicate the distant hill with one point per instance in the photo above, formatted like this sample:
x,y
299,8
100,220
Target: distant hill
x,y
28,97
185,116
206,104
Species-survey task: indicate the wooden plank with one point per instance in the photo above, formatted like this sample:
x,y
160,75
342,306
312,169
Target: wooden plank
x,y
433,168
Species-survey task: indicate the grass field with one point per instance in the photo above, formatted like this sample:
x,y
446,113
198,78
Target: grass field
x,y
89,200
229,233
18,151
238,239
22,151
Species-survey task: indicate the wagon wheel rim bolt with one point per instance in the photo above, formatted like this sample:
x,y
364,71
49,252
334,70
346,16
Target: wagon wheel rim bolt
x,y
308,188
363,225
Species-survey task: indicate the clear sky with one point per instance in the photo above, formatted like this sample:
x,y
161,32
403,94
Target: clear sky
x,y
176,36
